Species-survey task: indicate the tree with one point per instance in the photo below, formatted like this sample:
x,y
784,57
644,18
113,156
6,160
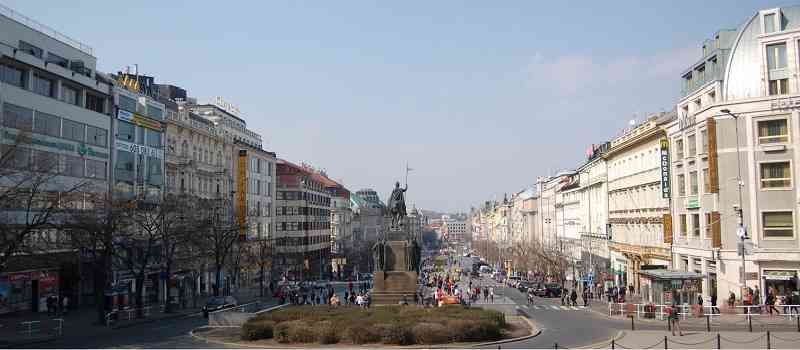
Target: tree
x,y
137,242
179,217
33,194
219,231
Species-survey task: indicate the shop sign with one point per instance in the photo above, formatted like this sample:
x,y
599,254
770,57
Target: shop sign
x,y
139,149
137,119
226,106
692,204
85,150
665,189
780,275
785,104
42,141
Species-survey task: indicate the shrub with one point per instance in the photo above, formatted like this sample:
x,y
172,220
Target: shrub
x,y
300,332
362,334
474,330
397,334
327,333
281,332
261,329
431,333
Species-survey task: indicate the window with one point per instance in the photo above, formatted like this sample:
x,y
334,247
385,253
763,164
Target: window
x,y
42,85
73,166
773,131
58,60
125,166
140,135
155,176
96,169
96,136
696,225
704,141
17,117
706,181
679,148
74,131
125,131
31,49
47,124
682,227
693,183
95,103
44,161
778,224
12,75
153,138
769,23
69,95
692,145
779,86
155,112
127,103
776,175
681,180
776,56
708,224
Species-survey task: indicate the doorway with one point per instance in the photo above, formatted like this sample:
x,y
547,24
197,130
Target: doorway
x,y
35,295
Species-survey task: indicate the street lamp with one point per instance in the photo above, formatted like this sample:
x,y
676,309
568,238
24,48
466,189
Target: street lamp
x,y
741,231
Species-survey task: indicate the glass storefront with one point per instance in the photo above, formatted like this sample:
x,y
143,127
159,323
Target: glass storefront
x,y
27,290
781,282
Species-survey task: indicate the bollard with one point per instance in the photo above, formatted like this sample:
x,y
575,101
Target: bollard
x,y
555,346
768,341
750,323
613,345
708,323
665,343
719,341
632,327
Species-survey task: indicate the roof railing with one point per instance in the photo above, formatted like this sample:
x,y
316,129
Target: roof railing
x,y
30,23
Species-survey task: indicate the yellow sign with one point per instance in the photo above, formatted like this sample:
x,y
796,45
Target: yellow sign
x,y
128,83
667,225
242,189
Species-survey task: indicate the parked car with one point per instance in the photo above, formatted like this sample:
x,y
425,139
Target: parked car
x,y
218,303
523,286
549,290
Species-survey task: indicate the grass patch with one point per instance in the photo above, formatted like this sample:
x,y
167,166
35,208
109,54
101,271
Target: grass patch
x,y
391,325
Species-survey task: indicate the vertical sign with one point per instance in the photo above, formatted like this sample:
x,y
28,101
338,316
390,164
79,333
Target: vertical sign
x,y
666,221
713,165
716,230
242,189
665,190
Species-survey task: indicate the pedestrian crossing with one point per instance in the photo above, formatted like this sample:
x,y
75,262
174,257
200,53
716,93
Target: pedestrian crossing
x,y
554,308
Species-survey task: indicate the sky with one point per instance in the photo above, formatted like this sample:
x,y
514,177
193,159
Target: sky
x,y
479,98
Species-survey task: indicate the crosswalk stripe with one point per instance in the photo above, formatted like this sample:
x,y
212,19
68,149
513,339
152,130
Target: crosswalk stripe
x,y
554,307
575,308
565,308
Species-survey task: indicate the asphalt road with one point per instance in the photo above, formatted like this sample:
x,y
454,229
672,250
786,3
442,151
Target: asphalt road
x,y
568,328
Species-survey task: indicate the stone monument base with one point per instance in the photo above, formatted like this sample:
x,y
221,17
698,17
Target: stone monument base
x,y
389,287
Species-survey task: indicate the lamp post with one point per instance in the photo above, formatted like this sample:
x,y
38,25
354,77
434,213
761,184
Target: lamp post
x,y
740,231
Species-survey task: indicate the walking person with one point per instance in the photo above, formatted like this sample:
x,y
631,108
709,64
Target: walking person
x,y
585,298
485,295
770,301
674,320
714,308
574,298
491,294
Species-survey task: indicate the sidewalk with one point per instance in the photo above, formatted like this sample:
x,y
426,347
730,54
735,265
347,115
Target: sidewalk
x,y
20,328
728,320
702,340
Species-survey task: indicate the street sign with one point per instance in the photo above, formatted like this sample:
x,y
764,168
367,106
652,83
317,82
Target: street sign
x,y
745,248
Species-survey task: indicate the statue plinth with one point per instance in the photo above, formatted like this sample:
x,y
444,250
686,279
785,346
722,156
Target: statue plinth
x,y
395,280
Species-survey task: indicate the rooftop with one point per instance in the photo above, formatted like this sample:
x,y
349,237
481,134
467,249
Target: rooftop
x,y
32,24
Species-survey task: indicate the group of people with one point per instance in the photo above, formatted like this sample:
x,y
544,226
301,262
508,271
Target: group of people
x,y
771,299
54,306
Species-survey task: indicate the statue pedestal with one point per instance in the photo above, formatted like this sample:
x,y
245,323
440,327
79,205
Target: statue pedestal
x,y
390,286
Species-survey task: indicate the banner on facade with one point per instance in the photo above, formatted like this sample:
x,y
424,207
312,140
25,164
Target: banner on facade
x,y
666,220
713,164
665,190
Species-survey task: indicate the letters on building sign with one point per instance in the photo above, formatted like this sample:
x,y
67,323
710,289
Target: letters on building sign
x,y
43,141
140,149
665,183
667,221
128,83
138,120
242,189
785,103
686,121
226,106
713,164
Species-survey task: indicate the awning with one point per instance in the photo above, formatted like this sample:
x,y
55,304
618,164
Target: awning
x,y
781,275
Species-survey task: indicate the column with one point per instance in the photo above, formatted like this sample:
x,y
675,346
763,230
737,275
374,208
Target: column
x,y
706,281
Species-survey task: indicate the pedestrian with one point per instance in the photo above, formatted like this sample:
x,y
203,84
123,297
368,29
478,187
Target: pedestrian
x,y
359,300
714,308
757,298
731,299
65,305
770,301
346,297
674,319
574,298
485,295
700,300
564,296
491,294
585,298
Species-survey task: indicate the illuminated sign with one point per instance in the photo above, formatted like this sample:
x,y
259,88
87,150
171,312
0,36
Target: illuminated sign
x,y
242,189
128,83
666,220
226,106
713,162
139,120
665,190
140,149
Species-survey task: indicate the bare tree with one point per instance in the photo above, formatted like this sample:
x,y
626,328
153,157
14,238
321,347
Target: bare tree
x,y
137,242
179,220
220,230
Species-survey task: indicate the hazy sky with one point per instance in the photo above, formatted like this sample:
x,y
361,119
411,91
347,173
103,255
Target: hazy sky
x,y
479,97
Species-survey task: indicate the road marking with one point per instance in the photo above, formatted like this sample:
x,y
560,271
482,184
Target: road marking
x,y
554,307
575,308
565,308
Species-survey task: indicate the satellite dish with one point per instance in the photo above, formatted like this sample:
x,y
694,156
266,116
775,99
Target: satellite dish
x,y
632,122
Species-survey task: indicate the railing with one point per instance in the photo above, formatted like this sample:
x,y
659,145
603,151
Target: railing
x,y
30,23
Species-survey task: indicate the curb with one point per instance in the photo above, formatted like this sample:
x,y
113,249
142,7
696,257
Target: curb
x,y
535,331
599,345
166,318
